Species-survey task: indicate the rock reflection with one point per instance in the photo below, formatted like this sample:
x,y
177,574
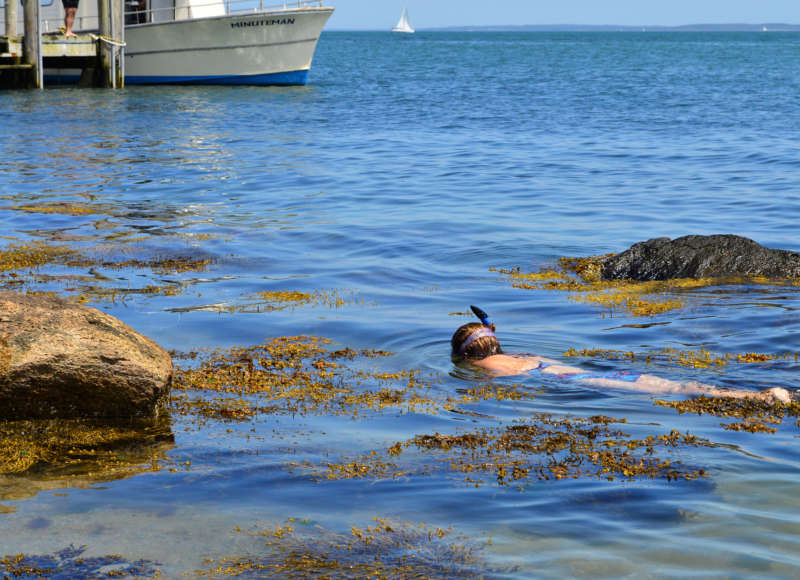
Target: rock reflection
x,y
38,455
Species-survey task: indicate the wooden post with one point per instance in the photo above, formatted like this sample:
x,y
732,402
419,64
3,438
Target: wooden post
x,y
118,20
104,49
11,17
32,44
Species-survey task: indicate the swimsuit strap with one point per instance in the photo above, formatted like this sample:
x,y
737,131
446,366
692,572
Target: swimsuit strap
x,y
626,376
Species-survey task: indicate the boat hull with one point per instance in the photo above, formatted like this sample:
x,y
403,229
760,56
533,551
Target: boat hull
x,y
274,48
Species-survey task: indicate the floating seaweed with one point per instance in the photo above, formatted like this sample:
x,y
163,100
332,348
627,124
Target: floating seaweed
x,y
543,447
753,415
296,375
273,300
280,299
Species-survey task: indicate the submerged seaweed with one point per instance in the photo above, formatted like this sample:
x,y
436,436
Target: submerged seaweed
x,y
20,266
70,563
385,549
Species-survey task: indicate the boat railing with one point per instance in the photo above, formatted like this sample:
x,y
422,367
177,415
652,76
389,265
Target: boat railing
x,y
246,6
145,11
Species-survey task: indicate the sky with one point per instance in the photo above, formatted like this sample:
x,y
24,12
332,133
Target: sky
x,y
383,14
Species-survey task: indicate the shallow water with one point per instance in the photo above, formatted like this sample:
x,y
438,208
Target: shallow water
x,y
394,182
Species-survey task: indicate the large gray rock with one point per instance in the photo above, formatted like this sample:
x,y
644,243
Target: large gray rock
x,y
60,359
700,257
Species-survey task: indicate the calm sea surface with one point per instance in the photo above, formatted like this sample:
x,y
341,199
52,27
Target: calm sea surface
x,y
390,189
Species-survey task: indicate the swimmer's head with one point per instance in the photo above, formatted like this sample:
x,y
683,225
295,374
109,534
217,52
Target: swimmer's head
x,y
474,341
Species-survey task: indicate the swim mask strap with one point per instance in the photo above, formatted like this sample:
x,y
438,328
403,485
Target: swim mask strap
x,y
479,333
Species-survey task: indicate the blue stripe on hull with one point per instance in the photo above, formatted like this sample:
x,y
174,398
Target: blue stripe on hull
x,y
297,77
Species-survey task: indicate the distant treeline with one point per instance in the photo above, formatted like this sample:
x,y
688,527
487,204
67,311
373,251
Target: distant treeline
x,y
769,26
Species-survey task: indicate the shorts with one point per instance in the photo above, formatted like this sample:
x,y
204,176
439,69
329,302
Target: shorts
x,y
69,3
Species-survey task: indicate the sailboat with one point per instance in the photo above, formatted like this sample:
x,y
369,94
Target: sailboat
x,y
402,24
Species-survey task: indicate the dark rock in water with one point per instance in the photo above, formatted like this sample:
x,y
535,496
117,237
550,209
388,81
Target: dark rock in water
x,y
700,257
60,359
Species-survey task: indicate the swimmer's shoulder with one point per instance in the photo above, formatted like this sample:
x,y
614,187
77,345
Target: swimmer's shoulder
x,y
503,364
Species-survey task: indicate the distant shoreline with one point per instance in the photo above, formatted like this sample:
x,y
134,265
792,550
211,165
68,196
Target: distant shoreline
x,y
770,27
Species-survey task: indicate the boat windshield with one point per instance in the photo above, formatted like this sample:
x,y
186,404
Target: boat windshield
x,y
148,11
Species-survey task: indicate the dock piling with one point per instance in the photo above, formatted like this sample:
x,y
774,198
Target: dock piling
x,y
111,42
118,21
11,17
32,45
105,77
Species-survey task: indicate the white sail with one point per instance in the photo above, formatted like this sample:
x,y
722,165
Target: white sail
x,y
402,24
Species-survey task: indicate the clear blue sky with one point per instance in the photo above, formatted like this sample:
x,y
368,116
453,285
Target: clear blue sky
x,y
382,14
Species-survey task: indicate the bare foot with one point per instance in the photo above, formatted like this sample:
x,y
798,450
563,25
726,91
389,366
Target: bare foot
x,y
70,34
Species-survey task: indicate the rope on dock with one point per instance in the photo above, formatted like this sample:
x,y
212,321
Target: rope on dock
x,y
107,40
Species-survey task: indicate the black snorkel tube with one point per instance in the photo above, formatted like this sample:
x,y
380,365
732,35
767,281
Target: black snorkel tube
x,y
481,314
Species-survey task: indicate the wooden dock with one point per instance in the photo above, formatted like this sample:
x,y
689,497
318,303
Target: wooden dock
x,y
99,56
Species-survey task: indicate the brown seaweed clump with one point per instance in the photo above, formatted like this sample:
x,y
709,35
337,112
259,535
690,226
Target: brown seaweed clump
x,y
544,447
385,549
752,415
34,255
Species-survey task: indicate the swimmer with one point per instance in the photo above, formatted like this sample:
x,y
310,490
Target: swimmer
x,y
477,344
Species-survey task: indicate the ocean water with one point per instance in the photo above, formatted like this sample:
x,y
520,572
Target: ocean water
x,y
395,186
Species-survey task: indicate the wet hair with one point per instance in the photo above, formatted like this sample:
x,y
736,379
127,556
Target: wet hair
x,y
477,349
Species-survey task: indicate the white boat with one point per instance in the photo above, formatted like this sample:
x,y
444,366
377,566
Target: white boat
x,y
402,24
236,42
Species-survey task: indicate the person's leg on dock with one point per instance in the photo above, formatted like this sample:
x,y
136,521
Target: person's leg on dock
x,y
70,8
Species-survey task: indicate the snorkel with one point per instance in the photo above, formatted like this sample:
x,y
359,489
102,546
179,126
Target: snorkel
x,y
486,330
481,314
